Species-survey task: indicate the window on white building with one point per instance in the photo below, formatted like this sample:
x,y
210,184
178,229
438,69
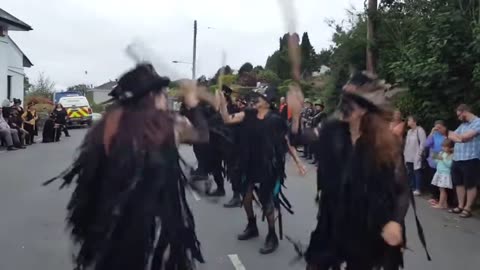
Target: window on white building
x,y
9,87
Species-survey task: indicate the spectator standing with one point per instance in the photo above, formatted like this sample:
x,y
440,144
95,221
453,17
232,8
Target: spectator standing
x,y
466,162
414,145
442,178
307,113
60,115
9,135
30,118
319,114
433,146
397,126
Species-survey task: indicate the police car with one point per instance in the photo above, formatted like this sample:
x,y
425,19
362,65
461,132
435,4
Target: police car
x,y
78,109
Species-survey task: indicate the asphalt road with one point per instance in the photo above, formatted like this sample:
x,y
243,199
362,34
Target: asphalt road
x,y
32,230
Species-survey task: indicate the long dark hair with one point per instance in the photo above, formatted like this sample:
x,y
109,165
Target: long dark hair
x,y
140,123
375,128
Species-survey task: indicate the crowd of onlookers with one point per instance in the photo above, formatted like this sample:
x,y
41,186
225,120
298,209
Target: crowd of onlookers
x,y
312,116
444,163
19,126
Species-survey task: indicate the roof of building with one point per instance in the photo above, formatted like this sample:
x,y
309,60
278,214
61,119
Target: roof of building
x,y
13,23
26,62
105,87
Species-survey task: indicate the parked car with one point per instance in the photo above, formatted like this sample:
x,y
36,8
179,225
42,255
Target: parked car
x,y
78,110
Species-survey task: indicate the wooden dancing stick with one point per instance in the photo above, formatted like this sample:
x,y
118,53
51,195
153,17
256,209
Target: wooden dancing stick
x,y
289,13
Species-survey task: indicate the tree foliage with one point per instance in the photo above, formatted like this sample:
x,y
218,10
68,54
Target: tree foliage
x,y
245,68
228,79
27,86
43,87
432,47
227,70
324,57
310,61
257,69
80,88
268,76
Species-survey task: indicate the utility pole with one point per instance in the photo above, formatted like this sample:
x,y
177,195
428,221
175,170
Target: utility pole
x,y
371,35
194,62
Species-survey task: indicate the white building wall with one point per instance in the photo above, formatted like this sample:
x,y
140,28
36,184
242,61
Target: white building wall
x,y
11,64
4,49
100,96
15,69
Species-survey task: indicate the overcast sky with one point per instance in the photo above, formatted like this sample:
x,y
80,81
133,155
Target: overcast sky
x,y
74,36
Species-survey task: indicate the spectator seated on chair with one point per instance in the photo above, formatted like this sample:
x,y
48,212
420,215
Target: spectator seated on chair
x,y
16,122
9,135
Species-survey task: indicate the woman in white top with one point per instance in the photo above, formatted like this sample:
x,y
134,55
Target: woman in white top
x,y
414,144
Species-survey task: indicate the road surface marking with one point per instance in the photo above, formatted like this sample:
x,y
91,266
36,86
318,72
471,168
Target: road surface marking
x,y
195,194
236,262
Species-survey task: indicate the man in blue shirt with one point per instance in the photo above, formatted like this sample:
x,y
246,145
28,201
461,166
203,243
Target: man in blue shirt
x,y
466,160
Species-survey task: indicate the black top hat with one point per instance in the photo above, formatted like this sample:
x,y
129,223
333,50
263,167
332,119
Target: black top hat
x,y
269,94
348,99
360,79
138,82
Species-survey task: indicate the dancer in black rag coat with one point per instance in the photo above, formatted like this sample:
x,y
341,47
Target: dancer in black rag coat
x,y
262,163
211,155
128,210
49,130
232,158
364,190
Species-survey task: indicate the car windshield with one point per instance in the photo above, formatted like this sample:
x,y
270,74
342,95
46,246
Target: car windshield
x,y
74,102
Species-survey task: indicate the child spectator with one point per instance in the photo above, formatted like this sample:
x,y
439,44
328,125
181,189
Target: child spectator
x,y
442,177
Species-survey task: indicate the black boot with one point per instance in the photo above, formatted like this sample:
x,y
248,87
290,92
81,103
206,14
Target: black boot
x,y
271,243
235,202
250,232
219,192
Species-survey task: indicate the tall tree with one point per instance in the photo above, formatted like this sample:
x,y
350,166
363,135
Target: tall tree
x,y
309,57
44,87
268,76
279,61
257,69
227,70
324,57
371,35
245,68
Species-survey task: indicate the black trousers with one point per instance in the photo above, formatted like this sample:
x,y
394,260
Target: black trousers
x,y
199,151
31,131
65,130
58,132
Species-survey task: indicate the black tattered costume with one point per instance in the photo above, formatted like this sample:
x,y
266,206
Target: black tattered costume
x,y
261,151
358,198
262,157
128,209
